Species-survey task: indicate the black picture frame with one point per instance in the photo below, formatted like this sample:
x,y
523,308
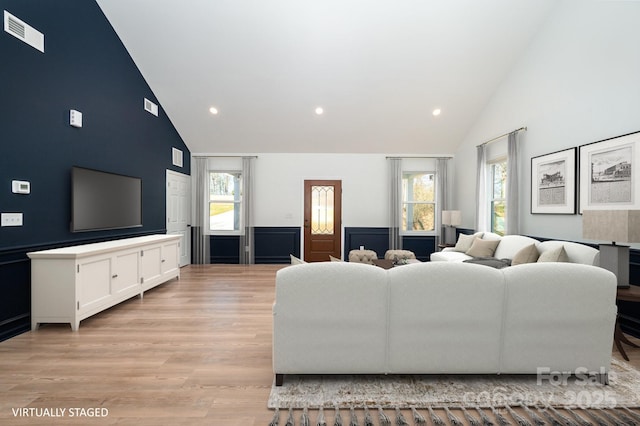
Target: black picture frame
x,y
554,183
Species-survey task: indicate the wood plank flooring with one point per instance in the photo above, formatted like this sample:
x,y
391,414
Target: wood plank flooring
x,y
192,352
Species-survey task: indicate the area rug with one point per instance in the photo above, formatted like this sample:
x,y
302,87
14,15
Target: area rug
x,y
615,403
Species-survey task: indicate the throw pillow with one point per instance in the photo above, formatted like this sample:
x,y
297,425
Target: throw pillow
x,y
334,259
556,255
528,254
482,248
296,261
464,242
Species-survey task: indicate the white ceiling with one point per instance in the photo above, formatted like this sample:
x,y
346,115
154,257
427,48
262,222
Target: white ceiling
x,y
377,67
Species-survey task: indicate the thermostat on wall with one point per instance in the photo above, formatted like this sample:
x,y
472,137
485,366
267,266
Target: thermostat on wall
x,y
20,187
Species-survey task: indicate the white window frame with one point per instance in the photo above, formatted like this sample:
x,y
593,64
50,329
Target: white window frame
x,y
434,202
240,203
491,199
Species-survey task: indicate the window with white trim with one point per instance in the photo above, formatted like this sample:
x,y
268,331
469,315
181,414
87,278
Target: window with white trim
x,y
498,195
418,202
225,202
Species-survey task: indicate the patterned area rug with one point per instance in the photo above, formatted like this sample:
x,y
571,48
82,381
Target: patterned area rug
x,y
534,397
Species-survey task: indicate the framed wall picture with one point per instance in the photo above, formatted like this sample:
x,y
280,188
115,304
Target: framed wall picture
x,y
553,183
608,175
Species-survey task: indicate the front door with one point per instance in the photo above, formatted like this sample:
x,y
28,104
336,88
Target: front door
x,y
322,219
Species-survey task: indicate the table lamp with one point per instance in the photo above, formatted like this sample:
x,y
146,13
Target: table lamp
x,y
450,219
616,226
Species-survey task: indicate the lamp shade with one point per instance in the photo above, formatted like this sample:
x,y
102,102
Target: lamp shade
x,y
611,225
446,217
456,217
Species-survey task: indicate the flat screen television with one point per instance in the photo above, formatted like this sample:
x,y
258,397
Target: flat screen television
x,y
102,200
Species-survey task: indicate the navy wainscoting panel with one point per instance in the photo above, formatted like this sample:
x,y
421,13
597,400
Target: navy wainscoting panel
x,y
15,285
272,245
84,67
225,249
629,313
275,244
422,246
376,239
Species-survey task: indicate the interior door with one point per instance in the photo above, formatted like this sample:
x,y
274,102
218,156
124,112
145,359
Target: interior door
x,y
322,219
179,212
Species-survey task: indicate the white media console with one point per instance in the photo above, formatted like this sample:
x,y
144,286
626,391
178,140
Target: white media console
x,y
73,283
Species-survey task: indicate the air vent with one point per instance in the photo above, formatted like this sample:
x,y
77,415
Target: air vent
x,y
177,157
150,107
15,27
24,32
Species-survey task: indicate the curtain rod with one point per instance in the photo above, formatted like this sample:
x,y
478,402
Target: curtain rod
x,y
437,157
225,156
502,136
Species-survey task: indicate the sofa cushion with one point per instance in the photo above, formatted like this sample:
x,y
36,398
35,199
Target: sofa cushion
x,y
448,255
528,254
489,236
483,248
464,242
512,244
557,254
576,252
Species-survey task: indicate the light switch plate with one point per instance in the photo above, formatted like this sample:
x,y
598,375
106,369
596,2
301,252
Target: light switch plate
x,y
75,118
11,219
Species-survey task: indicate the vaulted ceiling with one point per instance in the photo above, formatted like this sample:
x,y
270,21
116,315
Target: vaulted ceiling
x,y
378,68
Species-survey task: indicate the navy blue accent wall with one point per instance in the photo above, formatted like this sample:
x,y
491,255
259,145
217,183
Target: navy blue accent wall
x,y
629,313
85,67
376,239
422,246
275,244
224,249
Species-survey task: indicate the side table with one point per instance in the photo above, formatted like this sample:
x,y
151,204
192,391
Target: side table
x,y
631,294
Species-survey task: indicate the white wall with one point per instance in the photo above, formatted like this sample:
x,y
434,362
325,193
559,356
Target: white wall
x,y
579,82
279,185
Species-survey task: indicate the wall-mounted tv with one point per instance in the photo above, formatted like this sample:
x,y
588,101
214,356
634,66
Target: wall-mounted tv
x,y
102,200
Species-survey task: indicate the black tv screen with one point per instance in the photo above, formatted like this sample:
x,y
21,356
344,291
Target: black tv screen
x,y
103,200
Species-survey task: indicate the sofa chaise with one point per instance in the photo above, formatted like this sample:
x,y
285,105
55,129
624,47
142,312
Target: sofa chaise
x,y
508,247
442,318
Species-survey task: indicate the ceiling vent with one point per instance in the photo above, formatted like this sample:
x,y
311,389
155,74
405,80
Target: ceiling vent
x,y
150,107
24,32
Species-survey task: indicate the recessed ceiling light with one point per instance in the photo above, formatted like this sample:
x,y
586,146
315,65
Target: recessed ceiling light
x,y
213,110
319,111
436,112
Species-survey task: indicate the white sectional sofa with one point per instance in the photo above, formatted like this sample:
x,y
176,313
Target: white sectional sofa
x,y
442,317
510,245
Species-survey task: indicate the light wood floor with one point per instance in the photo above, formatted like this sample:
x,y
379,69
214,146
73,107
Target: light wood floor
x,y
194,351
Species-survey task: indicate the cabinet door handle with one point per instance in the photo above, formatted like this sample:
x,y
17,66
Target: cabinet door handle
x,y
114,276
162,261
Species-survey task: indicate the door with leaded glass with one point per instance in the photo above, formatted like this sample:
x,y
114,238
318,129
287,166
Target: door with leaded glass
x,y
322,219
